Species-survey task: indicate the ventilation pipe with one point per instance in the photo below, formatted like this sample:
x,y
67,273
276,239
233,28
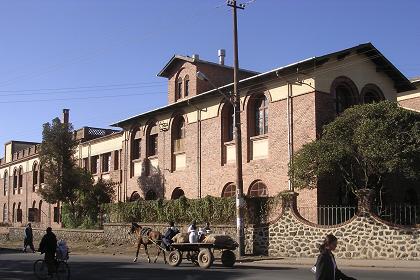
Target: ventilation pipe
x,y
221,53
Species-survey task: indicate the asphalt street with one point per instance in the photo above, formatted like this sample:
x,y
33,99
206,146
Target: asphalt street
x,y
19,266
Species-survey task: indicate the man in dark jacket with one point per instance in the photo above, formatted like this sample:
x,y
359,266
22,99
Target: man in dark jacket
x,y
29,239
169,234
48,246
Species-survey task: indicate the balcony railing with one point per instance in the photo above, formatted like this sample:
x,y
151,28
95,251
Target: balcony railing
x,y
327,215
401,214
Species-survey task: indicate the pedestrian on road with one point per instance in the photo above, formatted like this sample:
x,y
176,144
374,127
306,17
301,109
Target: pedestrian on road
x,y
48,246
28,239
326,267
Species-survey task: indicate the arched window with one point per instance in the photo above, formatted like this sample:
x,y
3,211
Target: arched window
x,y
186,86
19,215
34,176
371,93
177,193
258,189
41,175
152,140
134,197
150,195
227,122
5,183
229,190
20,181
261,115
345,92
136,144
178,134
178,89
15,181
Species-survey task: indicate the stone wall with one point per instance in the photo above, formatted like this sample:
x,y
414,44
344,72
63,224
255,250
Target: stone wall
x,y
365,236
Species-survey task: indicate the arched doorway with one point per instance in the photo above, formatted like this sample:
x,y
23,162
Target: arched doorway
x,y
134,197
177,193
150,195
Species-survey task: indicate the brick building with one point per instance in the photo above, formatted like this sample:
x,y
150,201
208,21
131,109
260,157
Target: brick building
x,y
186,147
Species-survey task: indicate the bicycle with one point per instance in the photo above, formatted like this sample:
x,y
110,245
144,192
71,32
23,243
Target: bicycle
x,y
62,269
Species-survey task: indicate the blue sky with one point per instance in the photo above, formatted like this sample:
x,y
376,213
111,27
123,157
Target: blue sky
x,y
66,54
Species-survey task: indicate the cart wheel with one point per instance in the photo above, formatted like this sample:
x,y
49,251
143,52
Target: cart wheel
x,y
205,258
174,258
228,258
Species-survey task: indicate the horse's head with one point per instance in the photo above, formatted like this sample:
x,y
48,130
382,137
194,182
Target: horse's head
x,y
134,227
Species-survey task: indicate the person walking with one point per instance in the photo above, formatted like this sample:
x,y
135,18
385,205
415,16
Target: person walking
x,y
326,267
28,239
48,246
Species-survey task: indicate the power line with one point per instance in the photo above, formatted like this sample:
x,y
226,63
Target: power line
x,y
80,87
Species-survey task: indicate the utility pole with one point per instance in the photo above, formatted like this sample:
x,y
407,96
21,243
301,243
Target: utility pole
x,y
238,141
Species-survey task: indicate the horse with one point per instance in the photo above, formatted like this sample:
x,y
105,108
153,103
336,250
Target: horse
x,y
147,236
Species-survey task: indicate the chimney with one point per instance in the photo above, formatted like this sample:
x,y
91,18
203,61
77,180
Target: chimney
x,y
221,53
65,118
195,56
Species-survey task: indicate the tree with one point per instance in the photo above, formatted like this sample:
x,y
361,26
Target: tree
x,y
65,181
62,177
362,147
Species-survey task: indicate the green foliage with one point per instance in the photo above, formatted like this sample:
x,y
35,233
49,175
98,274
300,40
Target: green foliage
x,y
362,147
67,183
216,210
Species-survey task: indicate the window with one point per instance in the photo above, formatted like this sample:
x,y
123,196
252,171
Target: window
x,y
229,190
178,134
94,164
86,164
5,183
258,189
178,90
4,213
261,115
346,94
15,181
19,213
228,125
34,176
57,214
152,141
187,85
41,175
106,162
371,93
20,181
136,144
14,212
116,160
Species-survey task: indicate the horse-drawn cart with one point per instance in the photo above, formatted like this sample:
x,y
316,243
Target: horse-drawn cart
x,y
201,254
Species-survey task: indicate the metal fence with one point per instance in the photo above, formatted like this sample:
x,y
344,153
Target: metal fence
x,y
327,215
401,214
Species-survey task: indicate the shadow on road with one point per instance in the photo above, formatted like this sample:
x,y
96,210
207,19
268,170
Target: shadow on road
x,y
80,270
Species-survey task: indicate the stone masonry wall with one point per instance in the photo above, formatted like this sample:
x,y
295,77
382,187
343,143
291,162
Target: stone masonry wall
x,y
364,236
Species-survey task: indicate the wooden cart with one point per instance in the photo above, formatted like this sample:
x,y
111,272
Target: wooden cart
x,y
201,254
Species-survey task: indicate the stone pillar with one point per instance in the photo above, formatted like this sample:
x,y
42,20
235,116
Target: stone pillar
x,y
365,198
289,200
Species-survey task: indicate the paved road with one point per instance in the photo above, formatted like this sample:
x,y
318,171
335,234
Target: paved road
x,y
19,266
